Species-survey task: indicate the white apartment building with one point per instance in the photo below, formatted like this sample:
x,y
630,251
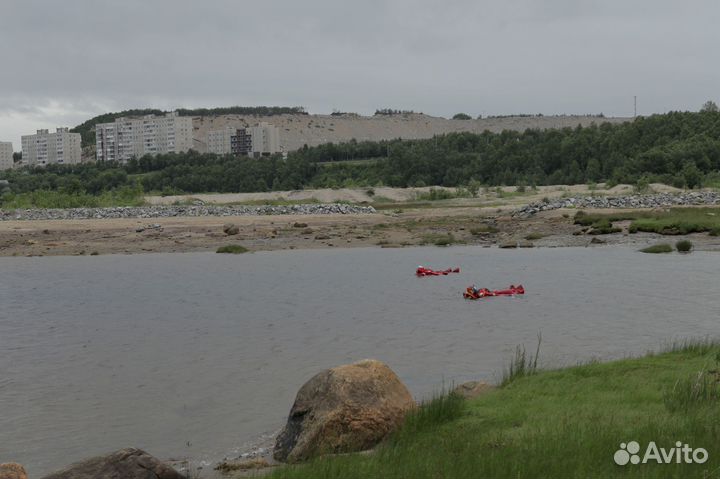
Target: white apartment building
x,y
220,141
45,148
6,155
263,139
148,135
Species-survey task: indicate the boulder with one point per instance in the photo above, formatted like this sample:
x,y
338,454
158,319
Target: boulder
x,y
344,409
230,229
12,470
472,389
128,463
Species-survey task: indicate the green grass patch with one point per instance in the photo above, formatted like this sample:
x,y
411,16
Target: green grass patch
x,y
534,236
658,248
436,194
675,221
125,196
439,239
565,423
232,249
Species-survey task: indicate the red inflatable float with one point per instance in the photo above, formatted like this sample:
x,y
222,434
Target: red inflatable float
x,y
423,271
476,293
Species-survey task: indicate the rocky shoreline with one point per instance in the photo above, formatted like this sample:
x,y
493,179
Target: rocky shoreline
x,y
183,211
660,200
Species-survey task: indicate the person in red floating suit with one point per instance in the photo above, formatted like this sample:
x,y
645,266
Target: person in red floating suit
x,y
476,293
423,271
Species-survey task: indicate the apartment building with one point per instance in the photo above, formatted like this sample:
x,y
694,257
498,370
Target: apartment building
x,y
129,137
45,148
263,139
6,155
220,141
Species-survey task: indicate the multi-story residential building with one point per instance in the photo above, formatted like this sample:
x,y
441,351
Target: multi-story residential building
x,y
241,142
45,148
6,155
220,141
263,139
126,138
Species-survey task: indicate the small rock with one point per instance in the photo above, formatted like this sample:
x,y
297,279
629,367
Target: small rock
x,y
473,389
12,470
230,466
526,244
139,229
322,237
299,225
128,463
508,244
597,240
230,229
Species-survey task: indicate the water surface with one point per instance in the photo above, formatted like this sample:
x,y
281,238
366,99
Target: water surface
x,y
197,354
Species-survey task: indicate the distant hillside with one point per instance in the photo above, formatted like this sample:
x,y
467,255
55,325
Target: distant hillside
x,y
296,131
298,128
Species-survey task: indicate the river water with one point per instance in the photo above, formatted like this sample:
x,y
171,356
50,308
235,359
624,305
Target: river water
x,y
195,355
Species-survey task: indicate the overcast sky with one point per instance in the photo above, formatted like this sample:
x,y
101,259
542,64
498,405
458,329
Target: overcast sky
x,y
64,62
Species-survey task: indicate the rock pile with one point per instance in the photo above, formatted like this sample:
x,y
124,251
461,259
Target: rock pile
x,y
172,211
660,200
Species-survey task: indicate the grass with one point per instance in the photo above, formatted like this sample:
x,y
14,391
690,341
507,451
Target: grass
x,y
232,249
658,248
555,423
56,199
436,194
483,230
521,365
534,236
674,221
439,239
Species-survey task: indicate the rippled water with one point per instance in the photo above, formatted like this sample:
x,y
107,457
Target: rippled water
x,y
196,354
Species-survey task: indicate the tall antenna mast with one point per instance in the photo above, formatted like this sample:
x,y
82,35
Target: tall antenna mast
x,y
635,106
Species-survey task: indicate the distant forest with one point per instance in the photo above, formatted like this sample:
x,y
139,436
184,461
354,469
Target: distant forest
x,y
676,148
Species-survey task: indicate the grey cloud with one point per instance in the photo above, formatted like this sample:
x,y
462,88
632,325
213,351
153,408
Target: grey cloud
x,y
74,59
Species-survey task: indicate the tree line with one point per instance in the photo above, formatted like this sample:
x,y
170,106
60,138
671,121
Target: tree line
x,y
678,148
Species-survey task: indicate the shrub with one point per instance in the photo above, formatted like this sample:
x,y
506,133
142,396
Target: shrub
x,y
684,246
232,249
658,248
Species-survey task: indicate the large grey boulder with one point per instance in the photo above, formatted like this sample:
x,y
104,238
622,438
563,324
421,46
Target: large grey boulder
x,y
127,463
344,409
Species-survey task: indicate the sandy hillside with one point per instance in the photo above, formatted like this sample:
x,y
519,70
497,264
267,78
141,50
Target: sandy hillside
x,y
313,130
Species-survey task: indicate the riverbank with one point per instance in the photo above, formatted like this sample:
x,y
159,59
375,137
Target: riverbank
x,y
559,423
404,225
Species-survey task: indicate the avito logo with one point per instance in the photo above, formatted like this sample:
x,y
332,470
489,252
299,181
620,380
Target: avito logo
x,y
681,453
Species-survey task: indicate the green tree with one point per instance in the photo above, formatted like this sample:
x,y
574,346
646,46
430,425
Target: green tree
x,y
710,106
462,116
